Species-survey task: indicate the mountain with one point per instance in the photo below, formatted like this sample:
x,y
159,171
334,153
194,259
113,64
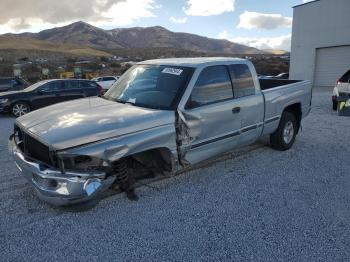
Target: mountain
x,y
28,44
83,34
275,51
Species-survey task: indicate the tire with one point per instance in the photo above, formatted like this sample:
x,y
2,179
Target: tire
x,y
20,108
335,105
283,138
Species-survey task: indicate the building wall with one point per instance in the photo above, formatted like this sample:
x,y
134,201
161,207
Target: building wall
x,y
323,23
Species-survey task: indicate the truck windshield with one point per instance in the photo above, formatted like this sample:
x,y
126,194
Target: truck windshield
x,y
151,86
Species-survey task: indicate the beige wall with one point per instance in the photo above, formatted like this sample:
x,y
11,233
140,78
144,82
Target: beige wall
x,y
323,23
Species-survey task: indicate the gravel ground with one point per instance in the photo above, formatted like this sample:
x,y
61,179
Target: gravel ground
x,y
260,205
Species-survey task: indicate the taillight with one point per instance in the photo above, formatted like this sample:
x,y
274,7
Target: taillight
x,y
100,89
338,82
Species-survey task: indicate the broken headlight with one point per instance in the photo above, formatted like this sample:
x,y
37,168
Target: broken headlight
x,y
83,163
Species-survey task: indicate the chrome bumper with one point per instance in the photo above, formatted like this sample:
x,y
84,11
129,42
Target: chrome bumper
x,y
56,188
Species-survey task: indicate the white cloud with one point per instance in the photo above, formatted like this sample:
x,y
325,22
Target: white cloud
x,y
178,20
28,14
280,42
208,7
251,20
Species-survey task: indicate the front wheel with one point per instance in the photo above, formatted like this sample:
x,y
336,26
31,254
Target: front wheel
x,y
20,109
283,138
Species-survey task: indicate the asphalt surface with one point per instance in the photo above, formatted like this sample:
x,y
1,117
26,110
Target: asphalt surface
x,y
258,205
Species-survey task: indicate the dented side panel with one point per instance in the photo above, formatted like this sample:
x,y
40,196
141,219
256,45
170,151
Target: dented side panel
x,y
111,150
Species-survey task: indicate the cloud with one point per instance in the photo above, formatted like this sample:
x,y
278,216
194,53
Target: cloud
x,y
24,14
178,20
251,20
280,42
208,7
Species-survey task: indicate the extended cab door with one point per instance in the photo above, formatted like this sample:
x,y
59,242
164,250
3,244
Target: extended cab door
x,y
249,100
210,122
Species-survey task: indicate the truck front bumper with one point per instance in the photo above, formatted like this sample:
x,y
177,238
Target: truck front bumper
x,y
56,188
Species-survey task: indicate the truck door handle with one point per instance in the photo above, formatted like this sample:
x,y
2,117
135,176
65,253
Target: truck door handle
x,y
236,110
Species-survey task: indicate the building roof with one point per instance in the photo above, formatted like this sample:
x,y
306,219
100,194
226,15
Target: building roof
x,y
306,3
191,62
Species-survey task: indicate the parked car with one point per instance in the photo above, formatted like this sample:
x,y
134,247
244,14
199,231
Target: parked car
x,y
341,90
106,81
46,93
160,117
12,84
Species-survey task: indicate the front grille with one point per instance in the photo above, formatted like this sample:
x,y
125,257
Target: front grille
x,y
32,148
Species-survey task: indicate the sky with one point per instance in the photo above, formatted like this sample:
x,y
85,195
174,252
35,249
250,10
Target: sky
x,y
263,24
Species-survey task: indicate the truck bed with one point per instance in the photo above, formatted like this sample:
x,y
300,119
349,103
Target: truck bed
x,y
272,83
279,94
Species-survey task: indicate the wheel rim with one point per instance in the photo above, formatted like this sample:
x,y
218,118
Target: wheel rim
x,y
20,110
288,132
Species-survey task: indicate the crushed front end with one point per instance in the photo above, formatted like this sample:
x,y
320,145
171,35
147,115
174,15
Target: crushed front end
x,y
58,179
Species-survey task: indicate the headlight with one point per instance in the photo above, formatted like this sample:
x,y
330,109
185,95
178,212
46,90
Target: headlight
x,y
3,100
83,163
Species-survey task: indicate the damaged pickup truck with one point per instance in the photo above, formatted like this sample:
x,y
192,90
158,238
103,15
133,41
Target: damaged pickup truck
x,y
160,117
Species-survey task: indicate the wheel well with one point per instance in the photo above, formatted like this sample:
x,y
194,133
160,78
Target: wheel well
x,y
295,109
158,160
22,101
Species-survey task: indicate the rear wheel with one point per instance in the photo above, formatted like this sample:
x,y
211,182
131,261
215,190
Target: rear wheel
x,y
283,138
20,109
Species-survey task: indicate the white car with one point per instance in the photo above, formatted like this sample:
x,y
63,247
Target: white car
x,y
341,89
106,81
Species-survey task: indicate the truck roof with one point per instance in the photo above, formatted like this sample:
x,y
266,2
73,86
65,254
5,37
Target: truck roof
x,y
191,61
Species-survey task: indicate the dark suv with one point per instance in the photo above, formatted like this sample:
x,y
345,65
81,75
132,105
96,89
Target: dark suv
x,y
12,84
46,93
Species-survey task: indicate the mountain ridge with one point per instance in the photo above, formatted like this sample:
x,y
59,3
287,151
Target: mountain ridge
x,y
83,34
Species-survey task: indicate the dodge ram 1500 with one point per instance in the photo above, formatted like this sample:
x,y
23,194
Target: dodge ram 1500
x,y
160,117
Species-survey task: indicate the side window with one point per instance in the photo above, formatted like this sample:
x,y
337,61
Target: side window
x,y
87,84
243,84
69,85
50,87
213,85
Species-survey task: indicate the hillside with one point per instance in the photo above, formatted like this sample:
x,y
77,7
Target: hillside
x,y
9,42
83,34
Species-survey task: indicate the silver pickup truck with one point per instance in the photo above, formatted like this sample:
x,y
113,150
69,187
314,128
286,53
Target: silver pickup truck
x,y
160,117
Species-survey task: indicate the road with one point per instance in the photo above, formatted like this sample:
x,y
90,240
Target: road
x,y
258,205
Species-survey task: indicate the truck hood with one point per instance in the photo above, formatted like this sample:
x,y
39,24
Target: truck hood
x,y
88,120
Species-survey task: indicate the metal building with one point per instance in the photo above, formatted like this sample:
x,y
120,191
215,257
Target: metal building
x,y
321,41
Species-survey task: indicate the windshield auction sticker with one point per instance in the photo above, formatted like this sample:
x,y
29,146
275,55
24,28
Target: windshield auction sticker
x,y
172,71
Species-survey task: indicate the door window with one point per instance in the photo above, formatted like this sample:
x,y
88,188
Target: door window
x,y
242,79
50,87
213,85
69,85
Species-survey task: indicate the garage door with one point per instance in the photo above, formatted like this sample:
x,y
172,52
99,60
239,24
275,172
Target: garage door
x,y
331,64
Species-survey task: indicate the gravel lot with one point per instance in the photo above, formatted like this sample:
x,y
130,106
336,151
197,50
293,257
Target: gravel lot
x,y
259,205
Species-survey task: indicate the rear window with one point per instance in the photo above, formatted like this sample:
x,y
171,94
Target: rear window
x,y
345,78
